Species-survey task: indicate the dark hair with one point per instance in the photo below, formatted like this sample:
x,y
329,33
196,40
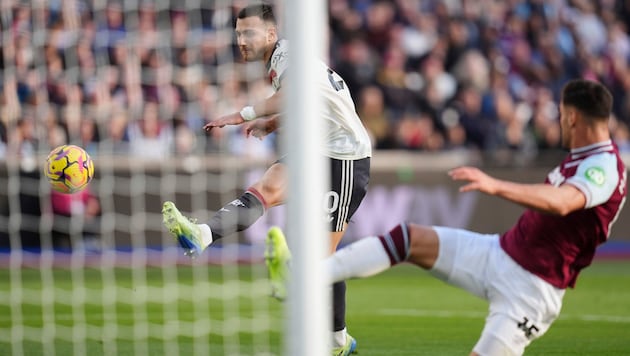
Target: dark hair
x,y
592,99
263,11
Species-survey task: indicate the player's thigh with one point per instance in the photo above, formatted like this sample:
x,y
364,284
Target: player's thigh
x,y
335,239
530,303
348,185
463,257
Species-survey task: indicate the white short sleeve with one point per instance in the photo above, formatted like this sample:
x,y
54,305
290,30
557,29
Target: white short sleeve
x,y
597,177
278,64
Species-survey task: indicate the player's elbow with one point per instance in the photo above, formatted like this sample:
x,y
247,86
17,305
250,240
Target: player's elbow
x,y
560,209
568,201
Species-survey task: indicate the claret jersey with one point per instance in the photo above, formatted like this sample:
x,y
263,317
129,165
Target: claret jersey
x,y
346,137
556,248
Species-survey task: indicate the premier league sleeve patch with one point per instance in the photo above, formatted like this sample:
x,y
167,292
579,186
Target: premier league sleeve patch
x,y
596,175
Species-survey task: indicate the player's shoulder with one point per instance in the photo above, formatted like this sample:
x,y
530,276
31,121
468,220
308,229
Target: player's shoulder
x,y
601,153
282,45
607,159
280,53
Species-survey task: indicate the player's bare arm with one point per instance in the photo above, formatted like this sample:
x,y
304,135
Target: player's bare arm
x,y
260,128
560,200
231,119
269,106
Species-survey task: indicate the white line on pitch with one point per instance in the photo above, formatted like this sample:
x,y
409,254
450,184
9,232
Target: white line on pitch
x,y
464,314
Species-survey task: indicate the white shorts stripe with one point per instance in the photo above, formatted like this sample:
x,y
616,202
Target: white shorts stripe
x,y
347,170
342,194
350,189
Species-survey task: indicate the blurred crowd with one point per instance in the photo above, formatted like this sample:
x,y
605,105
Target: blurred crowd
x,y
426,75
486,74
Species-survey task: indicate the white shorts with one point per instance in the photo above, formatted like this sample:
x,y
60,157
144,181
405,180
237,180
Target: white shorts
x,y
522,305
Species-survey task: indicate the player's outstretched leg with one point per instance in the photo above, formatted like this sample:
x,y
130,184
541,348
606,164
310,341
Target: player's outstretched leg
x,y
349,348
185,231
277,258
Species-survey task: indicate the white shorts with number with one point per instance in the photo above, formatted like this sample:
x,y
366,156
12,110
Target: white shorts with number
x,y
522,305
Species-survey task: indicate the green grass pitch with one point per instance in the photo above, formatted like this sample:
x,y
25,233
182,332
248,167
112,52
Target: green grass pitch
x,y
401,312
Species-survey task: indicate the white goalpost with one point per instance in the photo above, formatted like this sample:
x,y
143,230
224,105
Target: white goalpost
x,y
309,302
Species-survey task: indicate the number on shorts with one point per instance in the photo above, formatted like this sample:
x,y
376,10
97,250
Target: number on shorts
x,y
331,203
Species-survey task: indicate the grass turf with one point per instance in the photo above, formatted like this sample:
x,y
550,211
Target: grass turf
x,y
401,312
406,312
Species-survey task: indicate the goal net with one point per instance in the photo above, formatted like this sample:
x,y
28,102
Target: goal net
x,y
132,82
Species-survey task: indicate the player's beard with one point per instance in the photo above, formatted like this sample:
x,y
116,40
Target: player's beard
x,y
251,55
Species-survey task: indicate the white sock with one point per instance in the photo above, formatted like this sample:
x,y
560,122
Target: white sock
x,y
339,338
363,258
206,234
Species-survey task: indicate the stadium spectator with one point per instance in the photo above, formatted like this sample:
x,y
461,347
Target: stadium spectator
x,y
392,78
57,135
621,135
416,131
3,140
184,140
373,114
358,63
23,142
76,220
112,30
150,137
546,129
89,136
117,138
379,21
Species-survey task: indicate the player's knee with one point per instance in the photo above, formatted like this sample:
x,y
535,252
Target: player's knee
x,y
491,346
272,185
423,245
500,337
273,192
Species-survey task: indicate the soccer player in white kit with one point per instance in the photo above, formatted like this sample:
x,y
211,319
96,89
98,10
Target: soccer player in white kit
x,y
347,145
524,272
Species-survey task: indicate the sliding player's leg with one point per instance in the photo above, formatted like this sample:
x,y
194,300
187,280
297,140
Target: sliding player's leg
x,y
372,255
237,215
522,306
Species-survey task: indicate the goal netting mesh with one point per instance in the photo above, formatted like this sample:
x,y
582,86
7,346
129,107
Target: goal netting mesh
x,y
132,82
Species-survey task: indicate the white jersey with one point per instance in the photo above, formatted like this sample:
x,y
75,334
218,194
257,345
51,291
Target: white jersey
x,y
346,137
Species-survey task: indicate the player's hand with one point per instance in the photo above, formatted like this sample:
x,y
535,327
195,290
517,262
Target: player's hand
x,y
260,128
255,128
477,179
232,119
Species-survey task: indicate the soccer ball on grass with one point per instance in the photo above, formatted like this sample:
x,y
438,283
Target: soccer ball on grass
x,y
69,169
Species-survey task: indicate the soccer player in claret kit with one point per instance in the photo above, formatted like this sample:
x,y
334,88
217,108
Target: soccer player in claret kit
x,y
347,147
524,272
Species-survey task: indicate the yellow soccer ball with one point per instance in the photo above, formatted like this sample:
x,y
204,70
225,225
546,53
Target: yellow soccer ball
x,y
69,169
